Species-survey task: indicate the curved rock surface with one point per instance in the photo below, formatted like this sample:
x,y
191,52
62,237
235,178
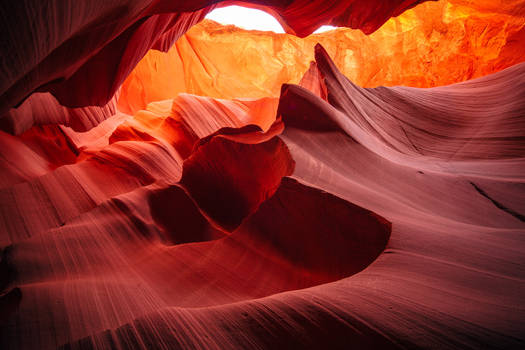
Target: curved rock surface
x,y
321,215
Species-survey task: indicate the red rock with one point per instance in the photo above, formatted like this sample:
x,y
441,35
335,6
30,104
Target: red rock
x,y
229,179
331,216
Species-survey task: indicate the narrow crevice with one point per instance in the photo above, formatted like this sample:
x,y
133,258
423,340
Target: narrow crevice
x,y
498,204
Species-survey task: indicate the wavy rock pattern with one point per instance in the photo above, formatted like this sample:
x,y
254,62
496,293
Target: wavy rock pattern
x,y
331,216
125,260
129,230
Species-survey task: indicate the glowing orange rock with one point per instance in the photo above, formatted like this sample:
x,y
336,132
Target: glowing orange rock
x,y
435,43
84,57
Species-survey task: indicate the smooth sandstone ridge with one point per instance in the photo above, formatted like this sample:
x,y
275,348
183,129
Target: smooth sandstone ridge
x,y
367,192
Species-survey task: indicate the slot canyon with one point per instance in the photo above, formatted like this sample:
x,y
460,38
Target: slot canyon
x,y
171,182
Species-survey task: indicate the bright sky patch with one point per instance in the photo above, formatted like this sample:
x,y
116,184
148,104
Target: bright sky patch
x,y
251,19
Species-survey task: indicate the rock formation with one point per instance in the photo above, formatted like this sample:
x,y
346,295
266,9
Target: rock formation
x,y
242,189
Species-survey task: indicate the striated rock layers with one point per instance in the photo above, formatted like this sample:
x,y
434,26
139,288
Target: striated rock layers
x,y
321,215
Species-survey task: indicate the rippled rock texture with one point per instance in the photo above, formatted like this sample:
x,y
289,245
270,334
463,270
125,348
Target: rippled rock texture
x,y
216,200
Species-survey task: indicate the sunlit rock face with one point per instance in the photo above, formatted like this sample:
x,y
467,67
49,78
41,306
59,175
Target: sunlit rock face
x,y
90,49
433,44
252,190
